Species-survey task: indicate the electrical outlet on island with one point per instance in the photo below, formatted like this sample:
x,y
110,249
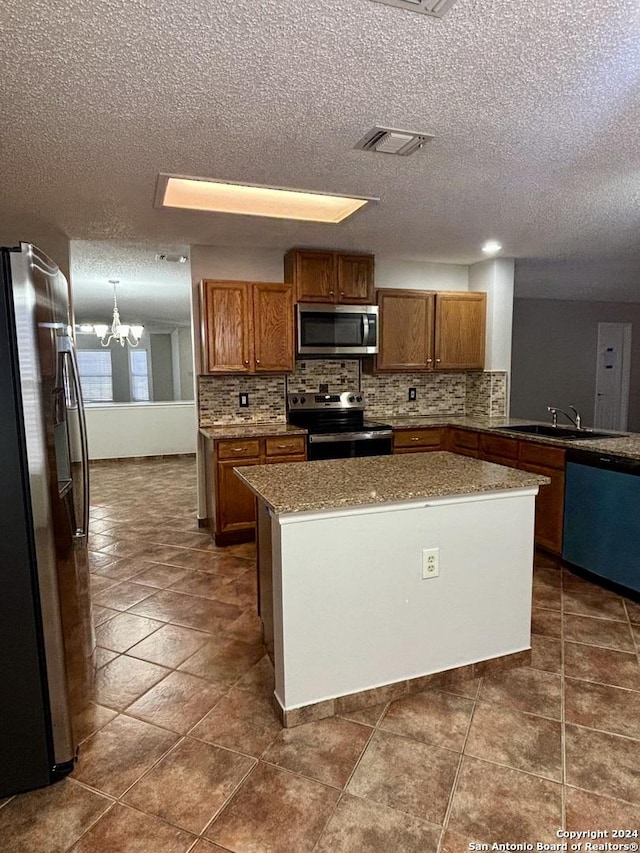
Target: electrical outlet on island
x,y
244,400
413,395
430,563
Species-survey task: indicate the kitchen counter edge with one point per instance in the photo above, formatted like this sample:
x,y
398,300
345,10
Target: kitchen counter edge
x,y
249,430
627,445
338,484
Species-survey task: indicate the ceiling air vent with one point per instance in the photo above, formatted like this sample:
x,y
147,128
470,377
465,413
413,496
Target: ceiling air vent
x,y
437,8
386,140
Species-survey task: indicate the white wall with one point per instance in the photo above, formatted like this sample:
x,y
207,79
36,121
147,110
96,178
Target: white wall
x,y
352,611
182,359
220,262
495,277
420,275
141,429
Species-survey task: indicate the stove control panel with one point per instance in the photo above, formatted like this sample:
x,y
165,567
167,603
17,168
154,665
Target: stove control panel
x,y
309,401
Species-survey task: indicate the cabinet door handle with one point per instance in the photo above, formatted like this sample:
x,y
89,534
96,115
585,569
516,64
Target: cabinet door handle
x,y
342,293
429,360
237,449
437,361
257,361
246,361
415,439
282,446
331,293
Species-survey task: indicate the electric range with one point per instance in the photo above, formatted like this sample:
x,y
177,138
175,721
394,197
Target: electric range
x,y
336,426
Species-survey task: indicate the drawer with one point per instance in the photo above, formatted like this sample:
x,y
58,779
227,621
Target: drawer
x,y
417,438
497,445
464,438
285,445
541,454
246,447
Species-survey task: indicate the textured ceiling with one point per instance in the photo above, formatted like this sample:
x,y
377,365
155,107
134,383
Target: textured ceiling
x,y
154,293
535,108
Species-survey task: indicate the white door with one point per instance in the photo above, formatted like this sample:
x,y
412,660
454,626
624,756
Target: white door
x,y
612,376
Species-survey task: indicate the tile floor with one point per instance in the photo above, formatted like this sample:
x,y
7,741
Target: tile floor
x,y
183,752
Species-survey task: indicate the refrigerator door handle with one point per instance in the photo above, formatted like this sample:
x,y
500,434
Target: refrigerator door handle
x,y
81,532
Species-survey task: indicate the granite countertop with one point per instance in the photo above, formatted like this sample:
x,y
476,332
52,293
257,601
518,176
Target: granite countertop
x,y
250,430
370,480
627,445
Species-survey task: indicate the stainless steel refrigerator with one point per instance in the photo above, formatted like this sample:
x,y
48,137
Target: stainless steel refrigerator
x,y
47,644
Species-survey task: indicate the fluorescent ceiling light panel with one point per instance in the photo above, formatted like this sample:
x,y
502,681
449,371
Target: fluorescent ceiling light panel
x,y
219,197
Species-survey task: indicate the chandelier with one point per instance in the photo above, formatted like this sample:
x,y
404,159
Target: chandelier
x,y
121,333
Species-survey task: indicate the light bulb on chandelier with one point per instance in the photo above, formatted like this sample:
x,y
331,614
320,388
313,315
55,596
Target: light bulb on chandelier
x,y
121,333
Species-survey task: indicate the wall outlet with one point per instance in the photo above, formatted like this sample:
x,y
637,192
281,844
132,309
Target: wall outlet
x,y
244,400
430,562
413,395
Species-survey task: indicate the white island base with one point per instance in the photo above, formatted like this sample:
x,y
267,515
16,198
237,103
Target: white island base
x,y
349,619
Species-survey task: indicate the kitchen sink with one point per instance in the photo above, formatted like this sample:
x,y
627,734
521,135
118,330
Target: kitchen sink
x,y
560,432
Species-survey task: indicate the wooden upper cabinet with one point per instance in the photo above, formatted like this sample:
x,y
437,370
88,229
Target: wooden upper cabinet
x,y
406,330
423,330
247,327
273,327
330,277
227,331
313,275
355,278
460,330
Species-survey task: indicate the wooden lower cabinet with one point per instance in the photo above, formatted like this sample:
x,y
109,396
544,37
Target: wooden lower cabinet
x,y
537,459
414,440
499,449
550,462
463,441
231,505
235,504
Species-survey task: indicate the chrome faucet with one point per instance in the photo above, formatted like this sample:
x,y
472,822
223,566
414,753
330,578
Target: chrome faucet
x,y
575,419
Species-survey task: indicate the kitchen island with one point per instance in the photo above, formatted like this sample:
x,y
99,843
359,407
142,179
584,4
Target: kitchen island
x,y
381,576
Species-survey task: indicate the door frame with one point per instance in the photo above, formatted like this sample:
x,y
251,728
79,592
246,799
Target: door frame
x,y
623,401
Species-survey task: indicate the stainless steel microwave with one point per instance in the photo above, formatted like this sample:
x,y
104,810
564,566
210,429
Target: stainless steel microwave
x,y
337,329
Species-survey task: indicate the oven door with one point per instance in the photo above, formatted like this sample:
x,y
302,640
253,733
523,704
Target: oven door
x,y
337,329
348,444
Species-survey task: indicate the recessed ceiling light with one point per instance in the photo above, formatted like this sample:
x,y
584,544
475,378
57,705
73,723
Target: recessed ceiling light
x,y
249,200
491,247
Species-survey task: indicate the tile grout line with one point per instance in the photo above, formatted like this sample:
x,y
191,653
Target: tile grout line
x,y
232,795
456,778
374,729
91,825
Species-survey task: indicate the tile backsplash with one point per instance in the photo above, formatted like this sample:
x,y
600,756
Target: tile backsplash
x,y
338,374
480,394
487,394
218,399
436,394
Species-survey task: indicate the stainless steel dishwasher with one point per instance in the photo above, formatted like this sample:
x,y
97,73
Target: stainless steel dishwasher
x,y
602,517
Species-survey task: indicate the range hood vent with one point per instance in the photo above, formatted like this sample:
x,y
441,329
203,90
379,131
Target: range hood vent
x,y
437,8
386,140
